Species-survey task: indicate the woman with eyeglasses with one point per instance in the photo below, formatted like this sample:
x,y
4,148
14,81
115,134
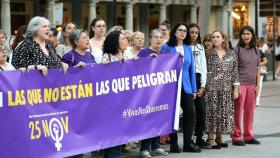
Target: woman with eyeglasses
x,y
194,40
97,30
178,44
165,28
4,65
151,146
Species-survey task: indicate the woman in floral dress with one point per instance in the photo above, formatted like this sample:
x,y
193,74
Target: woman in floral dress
x,y
222,85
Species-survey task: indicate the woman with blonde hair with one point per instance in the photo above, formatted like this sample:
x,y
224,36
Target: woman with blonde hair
x,y
137,41
222,86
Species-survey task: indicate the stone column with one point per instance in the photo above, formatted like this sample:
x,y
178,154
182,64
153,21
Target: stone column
x,y
144,21
91,11
50,10
6,17
162,13
221,16
194,14
129,16
230,26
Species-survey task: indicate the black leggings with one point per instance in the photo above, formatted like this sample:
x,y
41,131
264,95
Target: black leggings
x,y
200,111
187,105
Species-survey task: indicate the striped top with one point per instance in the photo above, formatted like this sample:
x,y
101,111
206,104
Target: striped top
x,y
248,63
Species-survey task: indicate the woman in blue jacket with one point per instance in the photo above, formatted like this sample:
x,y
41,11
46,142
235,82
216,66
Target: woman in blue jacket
x,y
178,44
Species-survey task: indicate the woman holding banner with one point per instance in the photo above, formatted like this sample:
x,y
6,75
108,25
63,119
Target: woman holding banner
x,y
114,46
178,44
151,147
79,56
35,52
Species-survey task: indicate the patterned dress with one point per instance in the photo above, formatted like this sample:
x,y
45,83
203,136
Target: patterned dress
x,y
29,52
222,74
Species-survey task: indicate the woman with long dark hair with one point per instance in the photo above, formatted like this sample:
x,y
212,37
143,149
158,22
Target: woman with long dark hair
x,y
114,46
178,44
249,75
194,40
64,45
97,30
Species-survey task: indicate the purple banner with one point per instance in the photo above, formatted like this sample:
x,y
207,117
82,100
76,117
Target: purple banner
x,y
87,109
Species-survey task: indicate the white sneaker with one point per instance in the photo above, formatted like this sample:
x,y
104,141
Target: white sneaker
x,y
159,152
145,154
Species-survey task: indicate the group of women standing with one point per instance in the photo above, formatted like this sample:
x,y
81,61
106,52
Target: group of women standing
x,y
218,86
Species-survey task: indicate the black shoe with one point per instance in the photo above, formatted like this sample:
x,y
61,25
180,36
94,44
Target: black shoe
x,y
191,148
221,144
174,149
238,143
253,141
200,142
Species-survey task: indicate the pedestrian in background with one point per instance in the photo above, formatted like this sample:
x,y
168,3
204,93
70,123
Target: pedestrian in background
x,y
277,58
263,71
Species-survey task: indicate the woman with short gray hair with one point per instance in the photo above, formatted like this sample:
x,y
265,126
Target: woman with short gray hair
x,y
4,65
35,52
151,146
79,55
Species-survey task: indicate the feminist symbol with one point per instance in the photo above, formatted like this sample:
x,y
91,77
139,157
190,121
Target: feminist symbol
x,y
56,132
